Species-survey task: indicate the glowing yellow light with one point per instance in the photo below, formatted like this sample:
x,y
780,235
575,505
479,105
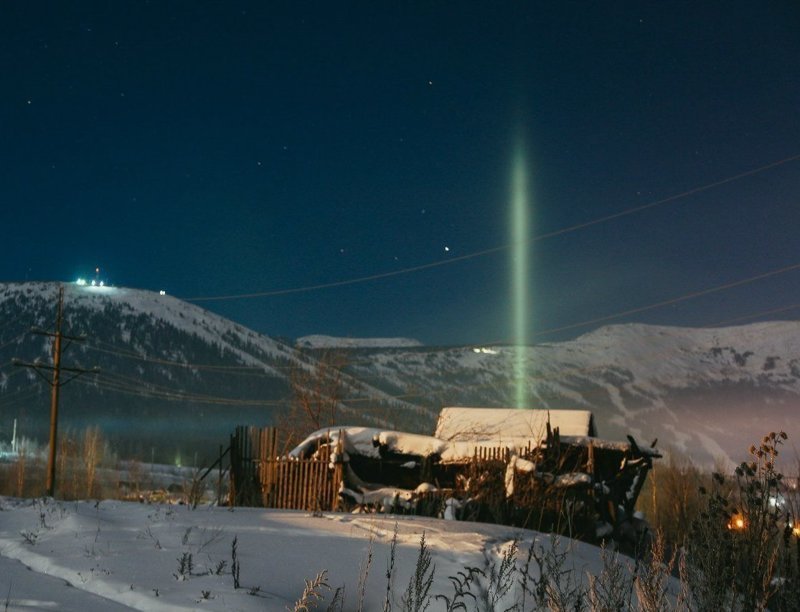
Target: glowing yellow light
x,y
737,522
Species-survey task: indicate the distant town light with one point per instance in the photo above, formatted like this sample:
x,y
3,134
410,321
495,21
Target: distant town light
x,y
737,522
101,283
94,283
162,292
81,282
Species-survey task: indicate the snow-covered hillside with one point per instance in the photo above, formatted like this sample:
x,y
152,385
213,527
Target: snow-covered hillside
x,y
182,374
109,555
706,392
174,379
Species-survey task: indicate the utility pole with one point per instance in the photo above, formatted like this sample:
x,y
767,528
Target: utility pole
x,y
55,384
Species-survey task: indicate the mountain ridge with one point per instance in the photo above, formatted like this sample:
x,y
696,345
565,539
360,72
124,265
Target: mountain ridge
x,y
183,376
186,376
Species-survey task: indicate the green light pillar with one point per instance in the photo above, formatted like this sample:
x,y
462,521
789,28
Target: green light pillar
x,y
520,290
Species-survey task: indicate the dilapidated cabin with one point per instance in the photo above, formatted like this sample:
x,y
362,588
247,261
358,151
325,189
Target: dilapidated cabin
x,y
542,469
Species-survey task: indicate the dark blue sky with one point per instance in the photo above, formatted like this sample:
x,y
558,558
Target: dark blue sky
x,y
223,148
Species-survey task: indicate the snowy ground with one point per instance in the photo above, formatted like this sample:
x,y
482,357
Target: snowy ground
x,y
113,555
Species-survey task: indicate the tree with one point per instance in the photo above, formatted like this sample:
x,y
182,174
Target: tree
x,y
317,384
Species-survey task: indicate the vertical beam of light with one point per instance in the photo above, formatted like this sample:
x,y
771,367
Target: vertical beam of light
x,y
520,233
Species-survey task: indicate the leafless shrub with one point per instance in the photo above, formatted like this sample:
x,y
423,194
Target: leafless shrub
x,y
195,489
21,465
463,583
611,590
235,569
671,499
185,566
93,452
30,536
337,602
652,577
549,580
387,602
417,594
362,576
155,540
736,546
317,384
499,578
312,593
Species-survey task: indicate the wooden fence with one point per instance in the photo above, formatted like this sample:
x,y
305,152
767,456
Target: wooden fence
x,y
261,476
501,453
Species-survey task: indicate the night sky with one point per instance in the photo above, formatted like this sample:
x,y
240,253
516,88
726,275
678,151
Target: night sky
x,y
226,148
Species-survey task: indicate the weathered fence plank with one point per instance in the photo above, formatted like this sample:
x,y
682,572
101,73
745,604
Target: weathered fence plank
x,y
260,476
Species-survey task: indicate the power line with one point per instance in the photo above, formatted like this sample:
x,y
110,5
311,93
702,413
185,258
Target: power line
x,y
497,249
756,315
13,340
10,322
260,370
242,370
655,305
130,386
562,374
13,397
151,393
671,301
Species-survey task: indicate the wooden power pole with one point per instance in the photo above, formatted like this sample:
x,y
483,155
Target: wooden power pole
x,y
55,385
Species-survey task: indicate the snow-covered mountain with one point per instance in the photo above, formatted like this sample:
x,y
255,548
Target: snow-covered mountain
x,y
706,392
176,376
173,377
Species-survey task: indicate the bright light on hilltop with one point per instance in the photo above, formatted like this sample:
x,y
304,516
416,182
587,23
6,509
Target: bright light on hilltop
x,y
96,286
96,283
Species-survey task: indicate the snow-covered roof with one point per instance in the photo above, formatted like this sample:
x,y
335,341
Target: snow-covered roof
x,y
367,441
506,426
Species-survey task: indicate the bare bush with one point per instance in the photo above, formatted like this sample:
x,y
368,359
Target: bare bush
x,y
671,499
736,545
611,590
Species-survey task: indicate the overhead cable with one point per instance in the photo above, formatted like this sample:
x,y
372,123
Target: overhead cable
x,y
476,254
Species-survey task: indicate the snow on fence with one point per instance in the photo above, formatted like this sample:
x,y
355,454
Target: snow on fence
x,y
262,476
